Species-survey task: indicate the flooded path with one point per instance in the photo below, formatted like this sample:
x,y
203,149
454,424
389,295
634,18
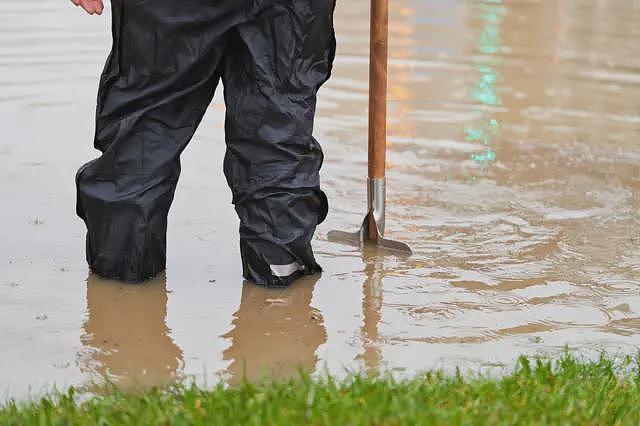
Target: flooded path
x,y
514,174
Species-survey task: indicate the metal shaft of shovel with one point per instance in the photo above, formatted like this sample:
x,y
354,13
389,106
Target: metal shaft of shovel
x,y
373,226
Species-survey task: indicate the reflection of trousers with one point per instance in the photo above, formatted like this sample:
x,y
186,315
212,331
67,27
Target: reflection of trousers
x,y
126,334
165,63
280,337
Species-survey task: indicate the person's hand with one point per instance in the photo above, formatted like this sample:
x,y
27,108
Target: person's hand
x,y
90,6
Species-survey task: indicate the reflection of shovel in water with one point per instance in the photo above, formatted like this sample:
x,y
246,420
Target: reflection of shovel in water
x,y
372,315
373,225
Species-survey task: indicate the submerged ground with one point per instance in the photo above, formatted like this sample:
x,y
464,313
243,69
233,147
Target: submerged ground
x,y
514,174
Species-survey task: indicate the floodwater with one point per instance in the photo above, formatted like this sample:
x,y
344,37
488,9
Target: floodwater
x,y
514,174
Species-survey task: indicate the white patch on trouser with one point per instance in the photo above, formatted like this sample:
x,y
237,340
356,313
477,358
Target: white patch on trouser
x,y
286,270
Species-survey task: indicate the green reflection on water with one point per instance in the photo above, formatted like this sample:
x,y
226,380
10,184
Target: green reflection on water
x,y
485,90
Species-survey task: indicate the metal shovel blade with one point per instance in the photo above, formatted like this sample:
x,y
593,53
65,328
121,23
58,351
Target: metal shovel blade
x,y
360,239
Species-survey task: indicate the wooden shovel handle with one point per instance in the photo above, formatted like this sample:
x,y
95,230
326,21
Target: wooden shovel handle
x,y
378,87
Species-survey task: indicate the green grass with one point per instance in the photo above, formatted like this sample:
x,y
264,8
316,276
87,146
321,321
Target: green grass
x,y
542,391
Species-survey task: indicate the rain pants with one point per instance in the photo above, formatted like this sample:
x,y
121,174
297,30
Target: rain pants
x,y
165,64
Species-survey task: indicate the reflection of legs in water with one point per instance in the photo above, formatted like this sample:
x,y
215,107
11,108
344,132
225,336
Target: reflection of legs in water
x,y
276,332
125,333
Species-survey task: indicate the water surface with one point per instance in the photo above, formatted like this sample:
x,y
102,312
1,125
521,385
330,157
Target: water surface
x,y
514,174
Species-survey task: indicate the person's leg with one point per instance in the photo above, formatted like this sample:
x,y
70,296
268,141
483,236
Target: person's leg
x,y
278,62
157,83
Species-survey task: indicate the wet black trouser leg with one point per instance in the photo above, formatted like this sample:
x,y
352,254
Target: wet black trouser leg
x,y
166,60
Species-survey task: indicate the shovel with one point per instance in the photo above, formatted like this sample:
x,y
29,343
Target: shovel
x,y
372,229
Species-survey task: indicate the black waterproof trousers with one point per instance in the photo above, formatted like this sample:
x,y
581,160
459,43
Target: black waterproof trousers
x,y
166,60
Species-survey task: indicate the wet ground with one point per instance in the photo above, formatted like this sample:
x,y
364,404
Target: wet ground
x,y
514,173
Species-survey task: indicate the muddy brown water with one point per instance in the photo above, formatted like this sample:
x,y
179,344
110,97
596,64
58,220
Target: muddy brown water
x,y
514,173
